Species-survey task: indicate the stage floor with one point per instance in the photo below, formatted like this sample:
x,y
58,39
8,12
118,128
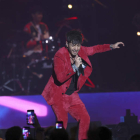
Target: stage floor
x,y
104,107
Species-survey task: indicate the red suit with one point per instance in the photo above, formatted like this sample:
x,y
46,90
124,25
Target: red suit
x,y
54,92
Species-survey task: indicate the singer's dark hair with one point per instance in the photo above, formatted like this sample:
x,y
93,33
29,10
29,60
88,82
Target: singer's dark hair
x,y
74,37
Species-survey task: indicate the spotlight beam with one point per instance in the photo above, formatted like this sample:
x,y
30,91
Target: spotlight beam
x,y
23,105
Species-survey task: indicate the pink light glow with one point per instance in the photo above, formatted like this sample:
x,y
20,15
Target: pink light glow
x,y
23,105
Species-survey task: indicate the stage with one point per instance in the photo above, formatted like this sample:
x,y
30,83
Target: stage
x,y
104,107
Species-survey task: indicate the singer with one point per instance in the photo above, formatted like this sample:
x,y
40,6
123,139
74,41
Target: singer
x,y
71,69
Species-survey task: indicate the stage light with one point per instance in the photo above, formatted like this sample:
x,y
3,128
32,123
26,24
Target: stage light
x,y
138,33
23,105
50,37
70,6
47,41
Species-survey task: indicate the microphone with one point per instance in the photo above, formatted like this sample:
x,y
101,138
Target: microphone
x,y
81,70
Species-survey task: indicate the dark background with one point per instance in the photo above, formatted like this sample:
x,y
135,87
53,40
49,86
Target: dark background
x,y
116,70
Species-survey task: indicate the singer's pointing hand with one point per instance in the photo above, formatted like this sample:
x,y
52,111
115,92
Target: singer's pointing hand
x,y
78,62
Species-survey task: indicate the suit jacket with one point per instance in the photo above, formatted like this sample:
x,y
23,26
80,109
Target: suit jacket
x,y
62,72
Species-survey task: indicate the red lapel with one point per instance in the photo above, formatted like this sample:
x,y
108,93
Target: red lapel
x,y
67,56
83,55
82,78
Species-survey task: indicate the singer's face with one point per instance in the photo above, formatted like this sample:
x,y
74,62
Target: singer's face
x,y
73,48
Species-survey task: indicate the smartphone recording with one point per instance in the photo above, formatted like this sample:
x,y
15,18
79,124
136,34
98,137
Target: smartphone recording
x,y
30,117
26,132
59,125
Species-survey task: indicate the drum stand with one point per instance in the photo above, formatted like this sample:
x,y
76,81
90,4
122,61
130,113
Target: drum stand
x,y
14,80
5,85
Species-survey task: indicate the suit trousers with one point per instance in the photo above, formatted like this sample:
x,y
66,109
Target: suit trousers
x,y
73,105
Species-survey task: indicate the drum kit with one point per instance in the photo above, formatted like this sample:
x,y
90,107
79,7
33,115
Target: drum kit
x,y
25,71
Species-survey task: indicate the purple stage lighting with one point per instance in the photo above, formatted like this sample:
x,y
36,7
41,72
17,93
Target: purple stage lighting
x,y
23,105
